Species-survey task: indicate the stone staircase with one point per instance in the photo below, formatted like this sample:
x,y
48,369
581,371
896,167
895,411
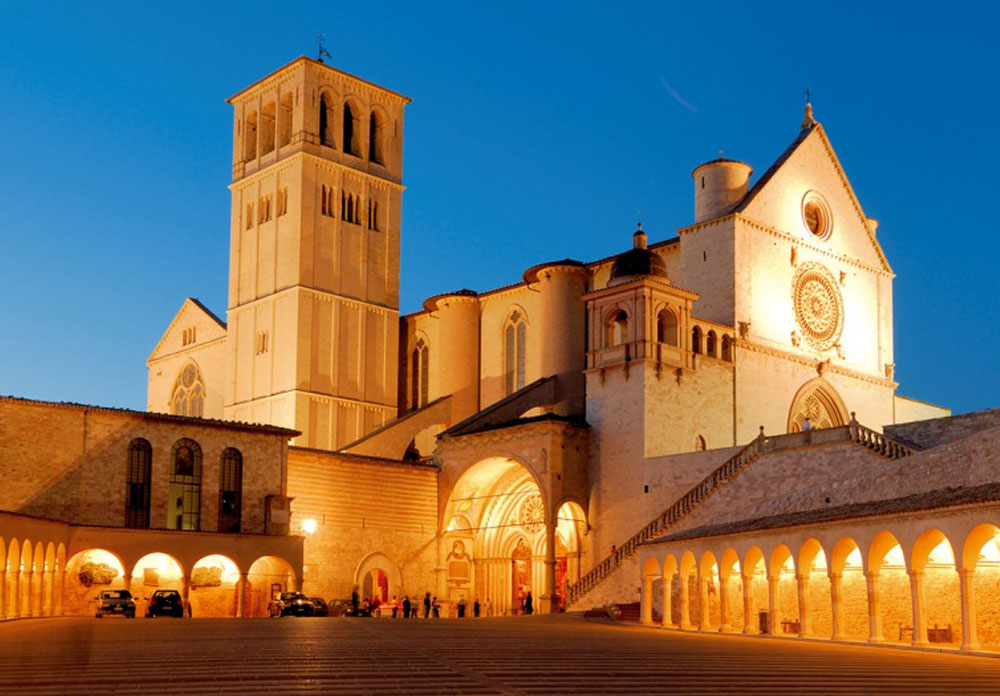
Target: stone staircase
x,y
882,445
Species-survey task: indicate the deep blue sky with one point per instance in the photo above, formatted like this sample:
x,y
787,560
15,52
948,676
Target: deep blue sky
x,y
536,132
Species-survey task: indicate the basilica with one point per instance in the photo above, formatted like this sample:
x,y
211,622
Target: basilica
x,y
706,423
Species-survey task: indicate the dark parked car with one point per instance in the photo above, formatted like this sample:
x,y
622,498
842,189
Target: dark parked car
x,y
292,604
165,603
342,607
320,607
115,603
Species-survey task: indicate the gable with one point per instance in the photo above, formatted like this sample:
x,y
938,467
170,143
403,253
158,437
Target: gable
x,y
192,315
810,164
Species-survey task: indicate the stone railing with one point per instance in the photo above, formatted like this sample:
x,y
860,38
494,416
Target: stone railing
x,y
852,432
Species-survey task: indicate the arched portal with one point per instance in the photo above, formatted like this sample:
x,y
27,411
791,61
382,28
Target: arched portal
x,y
267,578
214,588
12,576
848,591
571,526
818,401
731,592
816,610
935,577
784,590
981,559
493,546
87,574
755,590
890,606
378,579
152,572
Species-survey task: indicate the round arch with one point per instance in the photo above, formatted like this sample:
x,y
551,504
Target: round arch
x,y
932,559
368,580
267,577
820,402
87,573
214,586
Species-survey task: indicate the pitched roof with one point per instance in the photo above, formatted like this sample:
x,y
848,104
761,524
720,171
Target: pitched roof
x,y
198,304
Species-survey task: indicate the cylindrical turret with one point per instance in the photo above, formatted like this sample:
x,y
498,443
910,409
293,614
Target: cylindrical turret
x,y
563,324
718,186
458,350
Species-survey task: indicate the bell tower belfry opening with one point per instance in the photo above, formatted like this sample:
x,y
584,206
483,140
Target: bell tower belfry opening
x,y
313,316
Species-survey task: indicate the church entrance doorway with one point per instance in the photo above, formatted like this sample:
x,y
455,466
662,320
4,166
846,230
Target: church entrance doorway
x,y
520,576
376,586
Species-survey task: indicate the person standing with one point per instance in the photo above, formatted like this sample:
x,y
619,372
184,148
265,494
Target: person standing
x,y
406,606
427,605
461,607
489,607
475,608
529,606
355,601
395,606
435,607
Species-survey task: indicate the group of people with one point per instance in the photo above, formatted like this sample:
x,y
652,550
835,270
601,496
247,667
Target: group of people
x,y
411,609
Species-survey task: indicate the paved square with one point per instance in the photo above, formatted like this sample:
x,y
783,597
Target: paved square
x,y
527,655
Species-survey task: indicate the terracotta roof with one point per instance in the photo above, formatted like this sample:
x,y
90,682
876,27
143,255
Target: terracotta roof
x,y
151,416
928,500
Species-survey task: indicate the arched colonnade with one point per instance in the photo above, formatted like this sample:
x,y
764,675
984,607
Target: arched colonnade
x,y
916,581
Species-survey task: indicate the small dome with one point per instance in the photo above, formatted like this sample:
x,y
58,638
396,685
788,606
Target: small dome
x,y
638,261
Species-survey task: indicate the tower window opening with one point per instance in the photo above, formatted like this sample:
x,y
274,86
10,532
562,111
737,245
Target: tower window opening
x,y
696,339
325,127
373,215
282,201
249,221
285,119
727,348
666,327
267,126
711,345
351,144
250,138
184,503
617,329
375,137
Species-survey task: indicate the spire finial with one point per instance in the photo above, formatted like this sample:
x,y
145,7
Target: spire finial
x,y
639,238
807,119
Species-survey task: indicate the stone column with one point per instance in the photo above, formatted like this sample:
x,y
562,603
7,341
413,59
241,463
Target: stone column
x,y
874,615
970,639
703,612
685,603
917,595
668,600
185,586
241,595
646,605
772,605
3,593
61,594
30,595
836,608
46,593
550,600
724,626
14,601
805,620
748,626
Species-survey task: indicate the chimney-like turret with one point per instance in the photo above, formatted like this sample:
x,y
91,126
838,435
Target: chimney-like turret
x,y
718,186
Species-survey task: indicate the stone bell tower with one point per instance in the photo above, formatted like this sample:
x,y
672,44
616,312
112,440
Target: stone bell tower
x,y
313,315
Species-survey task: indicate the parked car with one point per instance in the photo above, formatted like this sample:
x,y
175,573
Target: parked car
x,y
320,607
115,603
292,604
165,603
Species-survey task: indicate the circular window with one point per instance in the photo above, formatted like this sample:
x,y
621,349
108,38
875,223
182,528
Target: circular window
x,y
816,215
819,308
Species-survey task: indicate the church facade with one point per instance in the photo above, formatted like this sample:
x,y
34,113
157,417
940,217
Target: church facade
x,y
553,435
551,417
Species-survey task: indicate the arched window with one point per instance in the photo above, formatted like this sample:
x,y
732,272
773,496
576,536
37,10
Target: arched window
x,y
140,463
350,207
351,144
419,373
666,327
250,137
188,397
375,137
515,344
325,121
696,339
617,329
710,344
184,503
285,119
230,490
727,348
699,444
267,125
